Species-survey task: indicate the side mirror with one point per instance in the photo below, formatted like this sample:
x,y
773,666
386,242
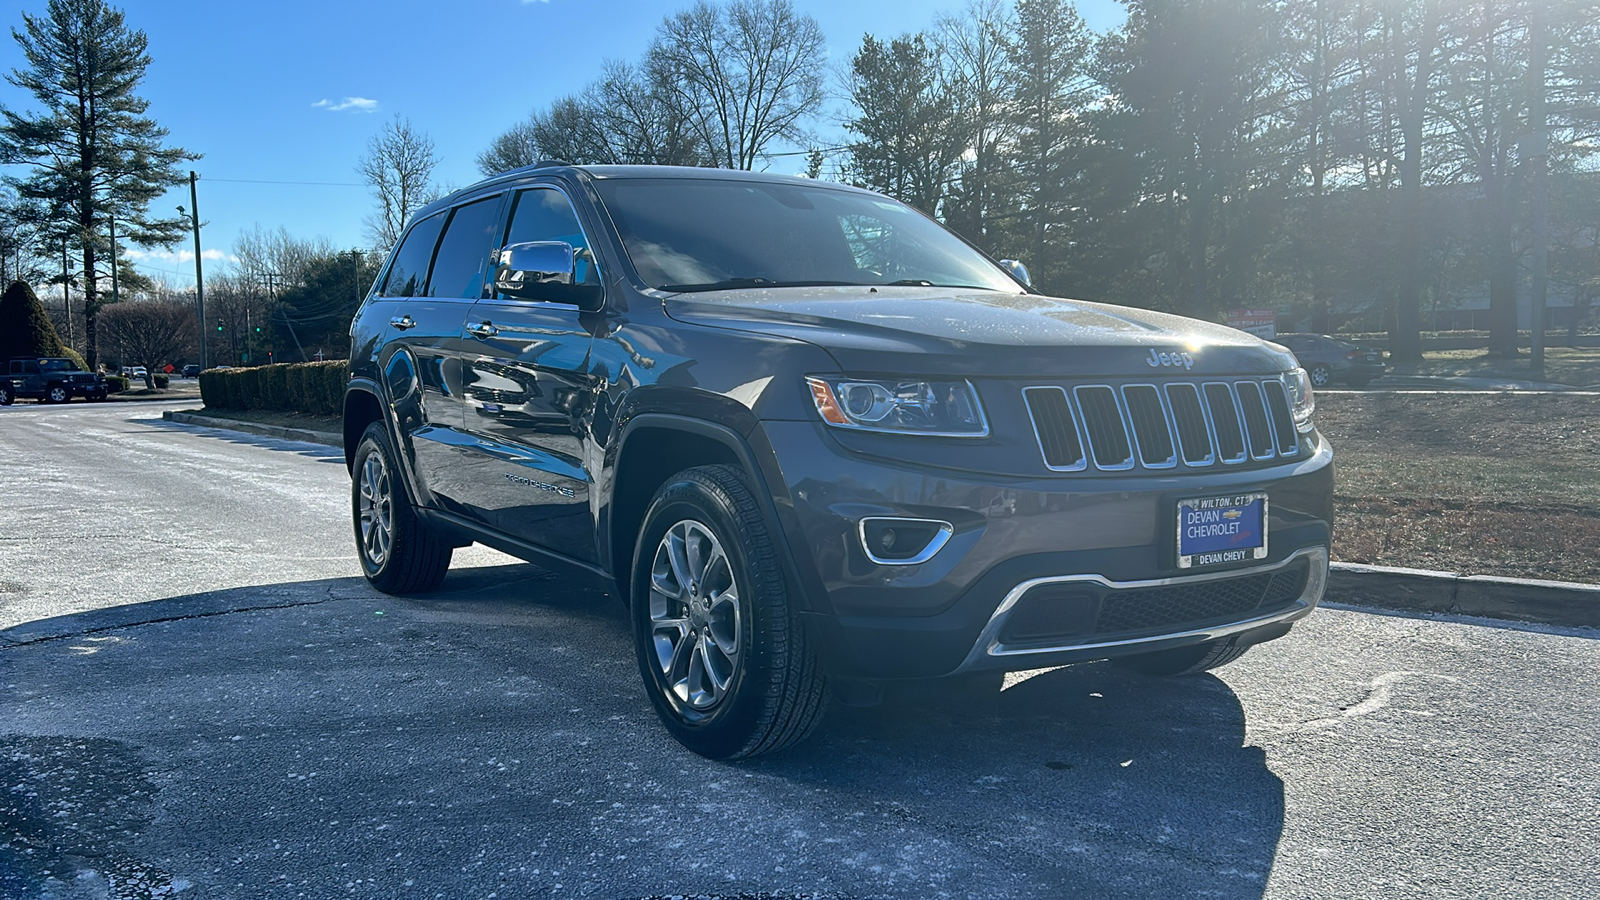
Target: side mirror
x,y
1018,271
545,270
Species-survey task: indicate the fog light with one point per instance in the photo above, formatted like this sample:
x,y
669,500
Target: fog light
x,y
893,541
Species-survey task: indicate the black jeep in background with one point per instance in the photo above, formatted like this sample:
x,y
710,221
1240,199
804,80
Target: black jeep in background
x,y
49,380
816,442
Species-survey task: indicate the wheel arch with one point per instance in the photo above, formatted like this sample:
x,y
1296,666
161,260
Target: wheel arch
x,y
361,408
652,448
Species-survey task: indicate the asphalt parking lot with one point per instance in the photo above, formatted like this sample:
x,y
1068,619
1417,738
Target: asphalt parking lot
x,y
200,697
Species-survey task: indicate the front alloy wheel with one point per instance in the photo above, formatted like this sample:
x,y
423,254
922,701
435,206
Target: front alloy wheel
x,y
57,394
1320,376
694,616
723,653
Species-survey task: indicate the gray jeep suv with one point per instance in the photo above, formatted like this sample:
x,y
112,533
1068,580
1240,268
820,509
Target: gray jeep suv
x,y
813,440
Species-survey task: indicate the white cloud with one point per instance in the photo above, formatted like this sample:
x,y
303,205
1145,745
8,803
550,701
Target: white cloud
x,y
173,257
352,104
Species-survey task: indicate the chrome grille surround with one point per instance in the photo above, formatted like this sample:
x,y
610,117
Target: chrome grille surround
x,y
1114,427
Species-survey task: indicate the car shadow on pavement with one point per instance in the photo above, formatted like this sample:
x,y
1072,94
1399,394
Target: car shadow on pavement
x,y
309,734
1115,783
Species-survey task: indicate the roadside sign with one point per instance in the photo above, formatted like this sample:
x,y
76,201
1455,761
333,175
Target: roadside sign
x,y
1259,322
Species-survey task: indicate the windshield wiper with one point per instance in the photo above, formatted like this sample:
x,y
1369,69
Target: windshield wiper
x,y
731,283
923,282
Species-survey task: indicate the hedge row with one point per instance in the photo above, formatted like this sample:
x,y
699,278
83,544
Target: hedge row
x,y
314,389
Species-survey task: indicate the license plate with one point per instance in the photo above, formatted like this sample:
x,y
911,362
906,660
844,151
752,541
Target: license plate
x,y
1224,528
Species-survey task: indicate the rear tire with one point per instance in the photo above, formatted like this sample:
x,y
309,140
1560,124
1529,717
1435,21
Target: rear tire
x,y
399,553
1185,660
6,396
723,654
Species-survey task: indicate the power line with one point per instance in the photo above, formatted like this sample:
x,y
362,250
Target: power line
x,y
266,181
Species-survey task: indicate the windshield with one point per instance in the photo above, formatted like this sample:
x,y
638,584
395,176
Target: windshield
x,y
57,365
686,234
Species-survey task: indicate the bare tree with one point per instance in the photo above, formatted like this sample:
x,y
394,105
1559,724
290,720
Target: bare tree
x,y
624,117
282,256
513,148
399,167
743,74
148,333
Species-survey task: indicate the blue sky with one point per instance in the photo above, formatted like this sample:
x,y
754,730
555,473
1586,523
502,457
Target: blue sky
x,y
291,91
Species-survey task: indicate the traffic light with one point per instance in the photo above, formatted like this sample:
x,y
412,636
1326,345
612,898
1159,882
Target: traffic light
x,y
258,329
219,326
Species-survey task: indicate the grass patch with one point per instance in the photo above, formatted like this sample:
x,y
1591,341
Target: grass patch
x,y
1577,366
1505,484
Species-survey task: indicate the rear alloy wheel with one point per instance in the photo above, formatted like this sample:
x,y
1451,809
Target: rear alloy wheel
x,y
723,655
399,554
57,393
1320,376
1185,660
6,396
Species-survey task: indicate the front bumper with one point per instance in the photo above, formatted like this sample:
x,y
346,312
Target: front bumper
x,y
1107,542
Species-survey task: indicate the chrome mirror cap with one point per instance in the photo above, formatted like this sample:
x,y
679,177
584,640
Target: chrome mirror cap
x,y
536,262
1017,270
545,271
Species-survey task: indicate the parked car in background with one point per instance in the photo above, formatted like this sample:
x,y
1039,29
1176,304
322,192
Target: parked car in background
x,y
191,371
49,380
1328,360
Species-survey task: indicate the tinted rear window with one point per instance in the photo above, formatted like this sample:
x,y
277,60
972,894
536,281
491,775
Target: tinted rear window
x,y
409,273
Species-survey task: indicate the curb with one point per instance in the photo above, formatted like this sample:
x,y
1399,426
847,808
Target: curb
x,y
1489,596
282,432
1418,590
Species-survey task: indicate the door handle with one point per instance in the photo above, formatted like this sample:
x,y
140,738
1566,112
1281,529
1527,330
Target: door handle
x,y
403,323
483,329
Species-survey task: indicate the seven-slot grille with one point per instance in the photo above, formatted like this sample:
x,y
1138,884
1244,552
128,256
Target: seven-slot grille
x,y
1179,423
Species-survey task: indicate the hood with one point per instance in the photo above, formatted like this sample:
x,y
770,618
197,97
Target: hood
x,y
943,331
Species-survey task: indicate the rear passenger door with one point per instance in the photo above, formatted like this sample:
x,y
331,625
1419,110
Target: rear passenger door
x,y
437,275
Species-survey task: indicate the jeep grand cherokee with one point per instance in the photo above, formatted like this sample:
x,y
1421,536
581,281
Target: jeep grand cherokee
x,y
811,438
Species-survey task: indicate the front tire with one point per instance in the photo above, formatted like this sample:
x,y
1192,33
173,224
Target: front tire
x,y
57,394
1320,376
723,654
399,554
1185,660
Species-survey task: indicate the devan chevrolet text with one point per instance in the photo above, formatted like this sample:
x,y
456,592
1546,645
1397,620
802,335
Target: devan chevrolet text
x,y
813,440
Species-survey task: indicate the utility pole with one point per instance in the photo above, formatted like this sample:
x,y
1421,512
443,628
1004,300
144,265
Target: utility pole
x,y
116,297
66,294
199,277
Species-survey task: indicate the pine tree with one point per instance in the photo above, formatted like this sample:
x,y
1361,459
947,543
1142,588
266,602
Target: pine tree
x,y
93,151
25,328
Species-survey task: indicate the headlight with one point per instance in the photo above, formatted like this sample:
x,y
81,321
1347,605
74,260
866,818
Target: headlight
x,y
1301,403
940,408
